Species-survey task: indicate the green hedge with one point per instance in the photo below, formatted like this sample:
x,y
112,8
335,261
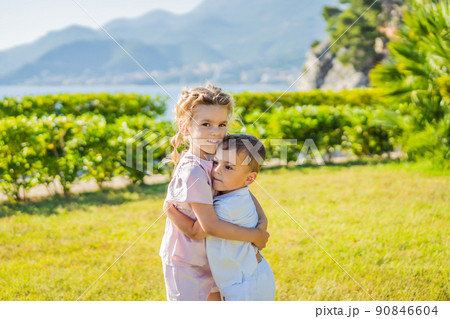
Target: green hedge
x,y
249,102
90,139
363,131
39,150
108,105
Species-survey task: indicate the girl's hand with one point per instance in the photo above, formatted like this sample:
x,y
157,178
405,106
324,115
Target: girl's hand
x,y
262,237
166,206
262,223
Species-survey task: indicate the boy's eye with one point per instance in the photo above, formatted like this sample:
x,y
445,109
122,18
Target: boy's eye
x,y
228,167
223,125
205,124
215,162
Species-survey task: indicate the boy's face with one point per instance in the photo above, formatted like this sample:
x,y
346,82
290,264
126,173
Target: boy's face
x,y
229,172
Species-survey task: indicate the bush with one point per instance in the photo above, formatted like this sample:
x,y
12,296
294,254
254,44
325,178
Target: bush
x,y
63,135
364,131
92,142
137,165
374,131
267,102
40,150
110,106
22,148
432,143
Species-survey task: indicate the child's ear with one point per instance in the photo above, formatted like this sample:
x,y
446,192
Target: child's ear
x,y
183,127
250,178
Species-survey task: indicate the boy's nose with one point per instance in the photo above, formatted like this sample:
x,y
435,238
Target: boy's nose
x,y
217,170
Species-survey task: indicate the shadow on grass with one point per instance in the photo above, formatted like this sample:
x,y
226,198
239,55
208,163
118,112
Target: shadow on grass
x,y
107,196
359,162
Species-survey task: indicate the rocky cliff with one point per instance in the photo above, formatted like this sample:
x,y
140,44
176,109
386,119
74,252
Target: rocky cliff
x,y
323,68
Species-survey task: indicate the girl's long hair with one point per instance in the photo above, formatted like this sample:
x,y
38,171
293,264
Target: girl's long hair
x,y
188,100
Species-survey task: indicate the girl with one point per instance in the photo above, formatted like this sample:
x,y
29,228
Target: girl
x,y
202,115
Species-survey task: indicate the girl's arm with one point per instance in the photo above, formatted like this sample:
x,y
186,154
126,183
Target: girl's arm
x,y
262,219
213,226
209,224
187,225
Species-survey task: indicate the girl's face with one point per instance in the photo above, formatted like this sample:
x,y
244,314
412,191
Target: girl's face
x,y
206,129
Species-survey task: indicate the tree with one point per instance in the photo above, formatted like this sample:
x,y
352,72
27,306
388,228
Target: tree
x,y
416,77
419,58
356,43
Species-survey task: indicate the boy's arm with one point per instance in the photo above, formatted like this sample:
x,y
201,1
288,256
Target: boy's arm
x,y
262,219
187,225
213,226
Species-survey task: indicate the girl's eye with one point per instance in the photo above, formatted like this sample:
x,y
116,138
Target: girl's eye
x,y
222,125
228,167
215,162
205,124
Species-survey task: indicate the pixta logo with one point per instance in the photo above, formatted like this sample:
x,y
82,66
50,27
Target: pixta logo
x,y
145,150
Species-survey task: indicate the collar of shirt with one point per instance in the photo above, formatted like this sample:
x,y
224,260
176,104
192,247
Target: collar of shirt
x,y
238,192
188,156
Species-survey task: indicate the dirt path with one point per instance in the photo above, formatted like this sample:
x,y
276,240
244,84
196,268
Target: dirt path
x,y
41,191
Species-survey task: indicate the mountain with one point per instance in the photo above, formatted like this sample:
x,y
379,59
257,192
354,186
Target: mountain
x,y
102,59
20,55
221,40
243,30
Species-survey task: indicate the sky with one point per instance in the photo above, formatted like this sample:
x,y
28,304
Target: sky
x,y
23,21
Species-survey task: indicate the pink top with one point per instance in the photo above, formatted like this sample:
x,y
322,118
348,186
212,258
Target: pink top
x,y
191,183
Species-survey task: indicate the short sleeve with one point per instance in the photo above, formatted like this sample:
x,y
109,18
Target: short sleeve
x,y
191,186
222,210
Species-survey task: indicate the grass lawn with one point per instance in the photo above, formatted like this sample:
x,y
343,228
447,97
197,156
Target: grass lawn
x,y
387,225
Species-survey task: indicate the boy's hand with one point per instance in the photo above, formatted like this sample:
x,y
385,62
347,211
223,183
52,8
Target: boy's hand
x,y
262,238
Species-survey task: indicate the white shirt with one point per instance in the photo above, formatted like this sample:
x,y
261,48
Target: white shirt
x,y
230,260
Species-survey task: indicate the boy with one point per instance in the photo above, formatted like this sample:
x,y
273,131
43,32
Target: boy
x,y
238,268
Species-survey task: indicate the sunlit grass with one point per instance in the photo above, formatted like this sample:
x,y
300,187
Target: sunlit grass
x,y
387,225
